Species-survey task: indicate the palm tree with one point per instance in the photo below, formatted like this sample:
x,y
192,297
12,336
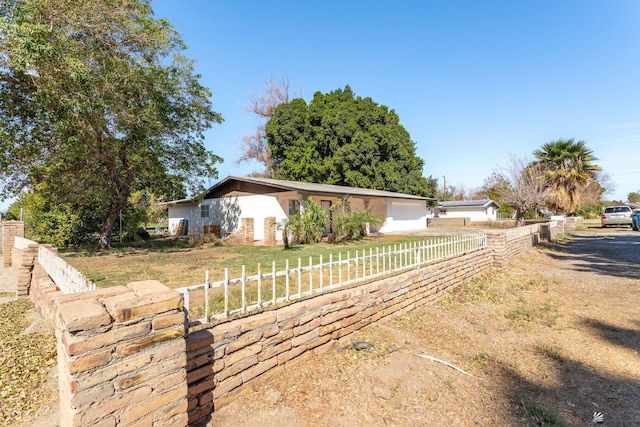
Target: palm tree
x,y
570,167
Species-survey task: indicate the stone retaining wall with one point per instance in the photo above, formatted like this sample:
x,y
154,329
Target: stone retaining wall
x,y
10,230
448,222
224,359
23,259
511,243
123,357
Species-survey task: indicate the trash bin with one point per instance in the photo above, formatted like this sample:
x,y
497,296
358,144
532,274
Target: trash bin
x,y
635,220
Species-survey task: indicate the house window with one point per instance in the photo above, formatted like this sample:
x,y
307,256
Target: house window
x,y
204,211
294,207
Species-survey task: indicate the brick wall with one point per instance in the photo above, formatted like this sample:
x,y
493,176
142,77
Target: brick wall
x,y
270,230
509,244
223,360
123,358
244,234
448,222
10,230
44,293
23,258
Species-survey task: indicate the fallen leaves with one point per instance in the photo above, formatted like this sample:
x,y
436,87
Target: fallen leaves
x,y
25,363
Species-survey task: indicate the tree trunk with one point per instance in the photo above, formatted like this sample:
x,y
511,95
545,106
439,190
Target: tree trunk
x,y
520,218
106,233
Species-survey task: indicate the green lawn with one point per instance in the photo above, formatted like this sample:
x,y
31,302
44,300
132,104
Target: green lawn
x,y
176,264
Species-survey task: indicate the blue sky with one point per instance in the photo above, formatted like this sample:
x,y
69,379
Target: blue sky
x,y
472,81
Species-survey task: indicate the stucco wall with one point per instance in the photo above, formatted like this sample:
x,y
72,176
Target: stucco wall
x,y
473,213
405,216
228,212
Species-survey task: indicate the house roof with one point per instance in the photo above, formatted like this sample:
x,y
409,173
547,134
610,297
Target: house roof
x,y
467,203
250,184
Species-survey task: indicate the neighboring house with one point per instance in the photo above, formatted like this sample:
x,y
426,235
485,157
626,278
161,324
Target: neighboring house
x,y
225,204
476,210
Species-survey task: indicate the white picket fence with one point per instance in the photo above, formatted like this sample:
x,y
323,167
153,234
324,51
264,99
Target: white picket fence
x,y
221,299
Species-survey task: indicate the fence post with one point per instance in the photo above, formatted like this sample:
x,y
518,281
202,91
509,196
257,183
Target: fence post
x,y
299,277
273,282
286,275
206,296
259,286
226,292
330,270
244,289
310,275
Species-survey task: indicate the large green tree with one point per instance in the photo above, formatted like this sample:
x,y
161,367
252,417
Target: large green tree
x,y
342,139
570,167
95,101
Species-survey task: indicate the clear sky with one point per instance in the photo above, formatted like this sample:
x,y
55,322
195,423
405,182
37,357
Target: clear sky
x,y
472,81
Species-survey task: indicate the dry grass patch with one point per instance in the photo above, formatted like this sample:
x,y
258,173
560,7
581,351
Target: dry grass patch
x,y
545,344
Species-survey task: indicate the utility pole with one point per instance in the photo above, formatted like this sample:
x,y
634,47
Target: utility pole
x,y
444,188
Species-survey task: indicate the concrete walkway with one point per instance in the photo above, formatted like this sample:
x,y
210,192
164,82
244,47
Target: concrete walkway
x,y
8,284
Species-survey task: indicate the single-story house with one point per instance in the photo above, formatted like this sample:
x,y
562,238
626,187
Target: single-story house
x,y
223,207
475,210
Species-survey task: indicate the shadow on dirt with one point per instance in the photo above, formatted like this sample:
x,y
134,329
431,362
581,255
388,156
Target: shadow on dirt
x,y
621,337
580,392
615,255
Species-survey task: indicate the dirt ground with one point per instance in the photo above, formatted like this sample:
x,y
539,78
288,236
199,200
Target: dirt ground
x,y
548,341
551,340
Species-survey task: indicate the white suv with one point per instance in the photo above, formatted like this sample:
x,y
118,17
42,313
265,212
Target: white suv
x,y
616,215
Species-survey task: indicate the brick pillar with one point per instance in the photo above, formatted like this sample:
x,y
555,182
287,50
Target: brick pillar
x,y
247,228
270,230
497,242
10,230
122,357
23,259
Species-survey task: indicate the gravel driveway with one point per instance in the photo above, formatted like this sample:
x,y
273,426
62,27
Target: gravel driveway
x,y
611,254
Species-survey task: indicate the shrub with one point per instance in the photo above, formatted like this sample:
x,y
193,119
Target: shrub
x,y
350,225
313,221
306,226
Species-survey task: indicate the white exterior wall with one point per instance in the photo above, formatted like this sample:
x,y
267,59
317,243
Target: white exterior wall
x,y
405,216
178,213
402,215
260,207
474,213
227,212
